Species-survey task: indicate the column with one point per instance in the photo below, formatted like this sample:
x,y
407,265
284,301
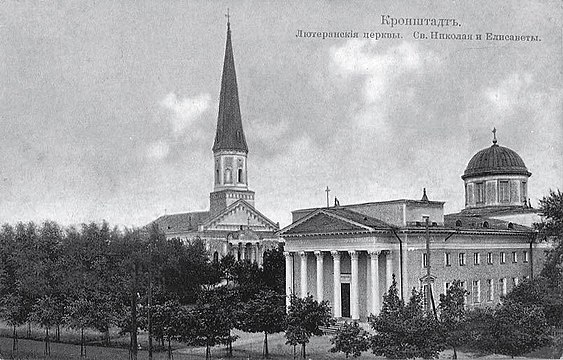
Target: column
x,y
241,251
374,275
388,268
354,287
303,255
320,273
288,276
337,303
258,253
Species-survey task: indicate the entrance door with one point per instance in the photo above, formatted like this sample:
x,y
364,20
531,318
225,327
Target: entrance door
x,y
345,296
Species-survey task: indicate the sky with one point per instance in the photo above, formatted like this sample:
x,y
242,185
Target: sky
x,y
108,108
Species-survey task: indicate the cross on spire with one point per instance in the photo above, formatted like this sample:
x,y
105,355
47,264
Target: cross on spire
x,y
228,16
327,191
494,135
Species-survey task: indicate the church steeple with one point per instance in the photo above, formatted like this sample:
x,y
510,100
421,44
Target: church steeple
x,y
229,135
229,150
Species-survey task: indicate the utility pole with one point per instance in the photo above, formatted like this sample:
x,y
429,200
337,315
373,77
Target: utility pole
x,y
430,306
149,300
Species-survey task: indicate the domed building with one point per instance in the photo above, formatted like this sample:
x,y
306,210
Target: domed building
x,y
496,186
350,254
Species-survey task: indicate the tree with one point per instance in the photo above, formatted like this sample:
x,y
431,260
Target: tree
x,y
305,316
79,316
405,331
519,329
13,312
453,315
350,339
263,313
45,314
273,270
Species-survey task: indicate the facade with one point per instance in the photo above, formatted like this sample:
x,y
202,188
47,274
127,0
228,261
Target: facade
x,y
232,224
349,254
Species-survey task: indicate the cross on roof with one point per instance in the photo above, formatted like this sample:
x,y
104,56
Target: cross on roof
x,y
228,16
494,135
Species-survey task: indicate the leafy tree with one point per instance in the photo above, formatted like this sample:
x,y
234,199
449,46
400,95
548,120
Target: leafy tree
x,y
305,316
263,313
350,339
209,325
273,272
79,316
519,329
405,331
13,312
45,314
453,315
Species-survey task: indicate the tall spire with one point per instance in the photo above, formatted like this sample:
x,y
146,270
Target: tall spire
x,y
229,135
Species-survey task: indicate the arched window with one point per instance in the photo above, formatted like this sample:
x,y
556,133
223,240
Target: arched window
x,y
228,176
458,223
486,224
510,225
215,256
240,179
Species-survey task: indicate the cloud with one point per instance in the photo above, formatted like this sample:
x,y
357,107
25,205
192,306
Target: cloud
x,y
386,75
158,150
510,93
185,111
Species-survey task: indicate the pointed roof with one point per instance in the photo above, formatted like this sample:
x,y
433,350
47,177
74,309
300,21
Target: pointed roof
x,y
229,135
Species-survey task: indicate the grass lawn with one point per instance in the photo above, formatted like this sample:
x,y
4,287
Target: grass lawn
x,y
248,346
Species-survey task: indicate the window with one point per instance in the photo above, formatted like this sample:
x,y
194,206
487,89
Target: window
x,y
476,259
490,290
502,286
463,286
216,257
461,259
228,176
514,282
480,195
502,257
490,258
476,290
525,257
447,259
424,260
240,179
458,223
503,192
446,287
523,191
526,277
514,257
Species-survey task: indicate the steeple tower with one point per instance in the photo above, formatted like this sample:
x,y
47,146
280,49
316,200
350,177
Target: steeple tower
x,y
229,149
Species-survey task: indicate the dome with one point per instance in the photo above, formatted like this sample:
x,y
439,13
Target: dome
x,y
495,160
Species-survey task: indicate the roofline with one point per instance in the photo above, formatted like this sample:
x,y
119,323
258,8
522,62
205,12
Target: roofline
x,y
397,201
421,230
495,172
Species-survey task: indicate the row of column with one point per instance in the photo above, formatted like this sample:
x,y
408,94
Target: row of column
x,y
242,251
337,279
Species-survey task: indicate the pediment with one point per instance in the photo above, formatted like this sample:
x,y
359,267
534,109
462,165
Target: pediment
x,y
323,223
240,215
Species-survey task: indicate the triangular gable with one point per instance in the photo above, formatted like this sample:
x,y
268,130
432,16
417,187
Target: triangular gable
x,y
321,221
238,214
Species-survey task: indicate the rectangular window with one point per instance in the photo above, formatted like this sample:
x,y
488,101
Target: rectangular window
x,y
525,257
476,291
424,260
461,259
523,192
425,297
514,282
447,259
490,290
446,287
502,286
514,257
502,257
490,258
480,192
476,259
503,191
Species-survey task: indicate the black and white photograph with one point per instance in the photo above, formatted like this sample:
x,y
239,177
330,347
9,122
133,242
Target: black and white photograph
x,y
193,179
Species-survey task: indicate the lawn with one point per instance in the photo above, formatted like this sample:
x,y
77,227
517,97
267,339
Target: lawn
x,y
248,346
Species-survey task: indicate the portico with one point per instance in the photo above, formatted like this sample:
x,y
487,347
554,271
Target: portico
x,y
348,279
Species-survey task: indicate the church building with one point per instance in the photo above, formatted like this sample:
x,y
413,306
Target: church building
x,y
350,254
232,224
